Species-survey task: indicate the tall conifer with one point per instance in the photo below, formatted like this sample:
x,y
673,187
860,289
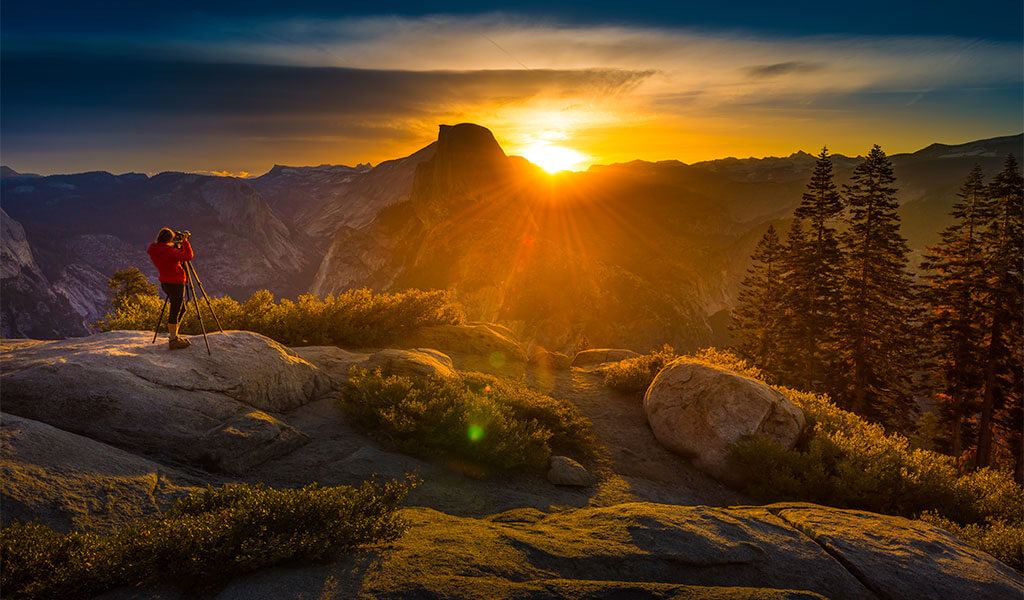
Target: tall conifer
x,y
814,273
1004,241
755,321
873,336
797,345
952,327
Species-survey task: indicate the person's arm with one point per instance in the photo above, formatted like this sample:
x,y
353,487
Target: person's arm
x,y
181,254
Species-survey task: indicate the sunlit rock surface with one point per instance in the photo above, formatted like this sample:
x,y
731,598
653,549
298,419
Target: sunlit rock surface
x,y
483,339
421,361
185,405
597,356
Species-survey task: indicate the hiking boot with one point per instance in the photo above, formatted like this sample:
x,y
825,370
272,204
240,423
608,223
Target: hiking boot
x,y
178,343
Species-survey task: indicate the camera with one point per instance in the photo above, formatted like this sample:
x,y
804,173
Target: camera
x,y
181,235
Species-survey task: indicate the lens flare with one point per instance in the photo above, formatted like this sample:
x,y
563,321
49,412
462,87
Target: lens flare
x,y
475,433
497,359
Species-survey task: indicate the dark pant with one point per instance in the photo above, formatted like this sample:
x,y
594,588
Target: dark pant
x,y
176,295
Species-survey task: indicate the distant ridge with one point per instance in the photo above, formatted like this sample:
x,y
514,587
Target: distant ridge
x,y
9,173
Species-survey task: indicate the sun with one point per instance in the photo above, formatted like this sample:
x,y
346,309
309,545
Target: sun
x,y
552,158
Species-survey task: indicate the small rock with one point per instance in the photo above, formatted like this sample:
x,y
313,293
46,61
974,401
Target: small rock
x,y
566,471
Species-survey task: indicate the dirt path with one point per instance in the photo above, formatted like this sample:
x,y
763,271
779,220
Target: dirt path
x,y
652,473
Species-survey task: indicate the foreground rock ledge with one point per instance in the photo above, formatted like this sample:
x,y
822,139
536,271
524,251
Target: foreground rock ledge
x,y
184,406
74,483
640,551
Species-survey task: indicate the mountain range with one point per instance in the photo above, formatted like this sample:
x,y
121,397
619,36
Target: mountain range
x,y
634,254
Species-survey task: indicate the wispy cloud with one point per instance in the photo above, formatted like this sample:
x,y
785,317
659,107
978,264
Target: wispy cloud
x,y
783,68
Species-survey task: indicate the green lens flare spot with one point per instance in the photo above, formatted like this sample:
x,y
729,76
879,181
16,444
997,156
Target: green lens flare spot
x,y
475,432
497,359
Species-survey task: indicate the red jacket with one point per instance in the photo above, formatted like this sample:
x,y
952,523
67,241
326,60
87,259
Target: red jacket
x,y
168,259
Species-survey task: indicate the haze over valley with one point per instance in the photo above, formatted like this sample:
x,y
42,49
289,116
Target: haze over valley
x,y
636,254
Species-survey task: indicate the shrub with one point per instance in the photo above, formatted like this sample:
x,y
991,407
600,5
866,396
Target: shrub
x,y
999,538
570,430
354,318
480,418
203,539
636,374
844,461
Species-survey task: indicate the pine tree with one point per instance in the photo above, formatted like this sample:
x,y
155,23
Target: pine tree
x,y
755,321
814,272
1004,250
873,336
797,345
127,284
952,323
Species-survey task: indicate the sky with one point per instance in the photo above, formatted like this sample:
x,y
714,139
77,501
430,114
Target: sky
x,y
237,87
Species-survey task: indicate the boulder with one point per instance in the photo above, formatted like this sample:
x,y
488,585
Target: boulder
x,y
71,482
420,361
331,360
566,471
700,411
482,339
585,358
180,406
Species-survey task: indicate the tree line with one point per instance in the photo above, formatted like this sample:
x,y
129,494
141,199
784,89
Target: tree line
x,y
835,308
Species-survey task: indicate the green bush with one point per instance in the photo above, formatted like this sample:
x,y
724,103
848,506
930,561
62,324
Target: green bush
x,y
204,539
354,318
844,461
636,374
481,418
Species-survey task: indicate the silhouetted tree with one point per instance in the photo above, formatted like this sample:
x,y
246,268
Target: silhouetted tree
x,y
755,321
1004,251
952,327
813,280
874,332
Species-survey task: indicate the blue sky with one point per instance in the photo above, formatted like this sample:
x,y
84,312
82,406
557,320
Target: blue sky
x,y
240,86
999,20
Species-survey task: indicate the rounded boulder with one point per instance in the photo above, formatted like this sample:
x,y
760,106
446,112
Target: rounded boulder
x,y
700,411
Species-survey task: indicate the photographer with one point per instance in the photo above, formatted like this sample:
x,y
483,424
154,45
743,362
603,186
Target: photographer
x,y
167,253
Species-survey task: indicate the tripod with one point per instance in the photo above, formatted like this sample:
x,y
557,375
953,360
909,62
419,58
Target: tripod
x,y
191,279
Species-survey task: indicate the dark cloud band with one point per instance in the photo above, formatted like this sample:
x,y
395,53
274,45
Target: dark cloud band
x,y
37,88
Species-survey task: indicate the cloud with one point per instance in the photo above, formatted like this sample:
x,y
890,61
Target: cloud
x,y
783,68
95,88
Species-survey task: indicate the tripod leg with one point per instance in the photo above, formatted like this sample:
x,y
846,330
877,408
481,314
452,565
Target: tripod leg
x,y
202,290
198,312
159,320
